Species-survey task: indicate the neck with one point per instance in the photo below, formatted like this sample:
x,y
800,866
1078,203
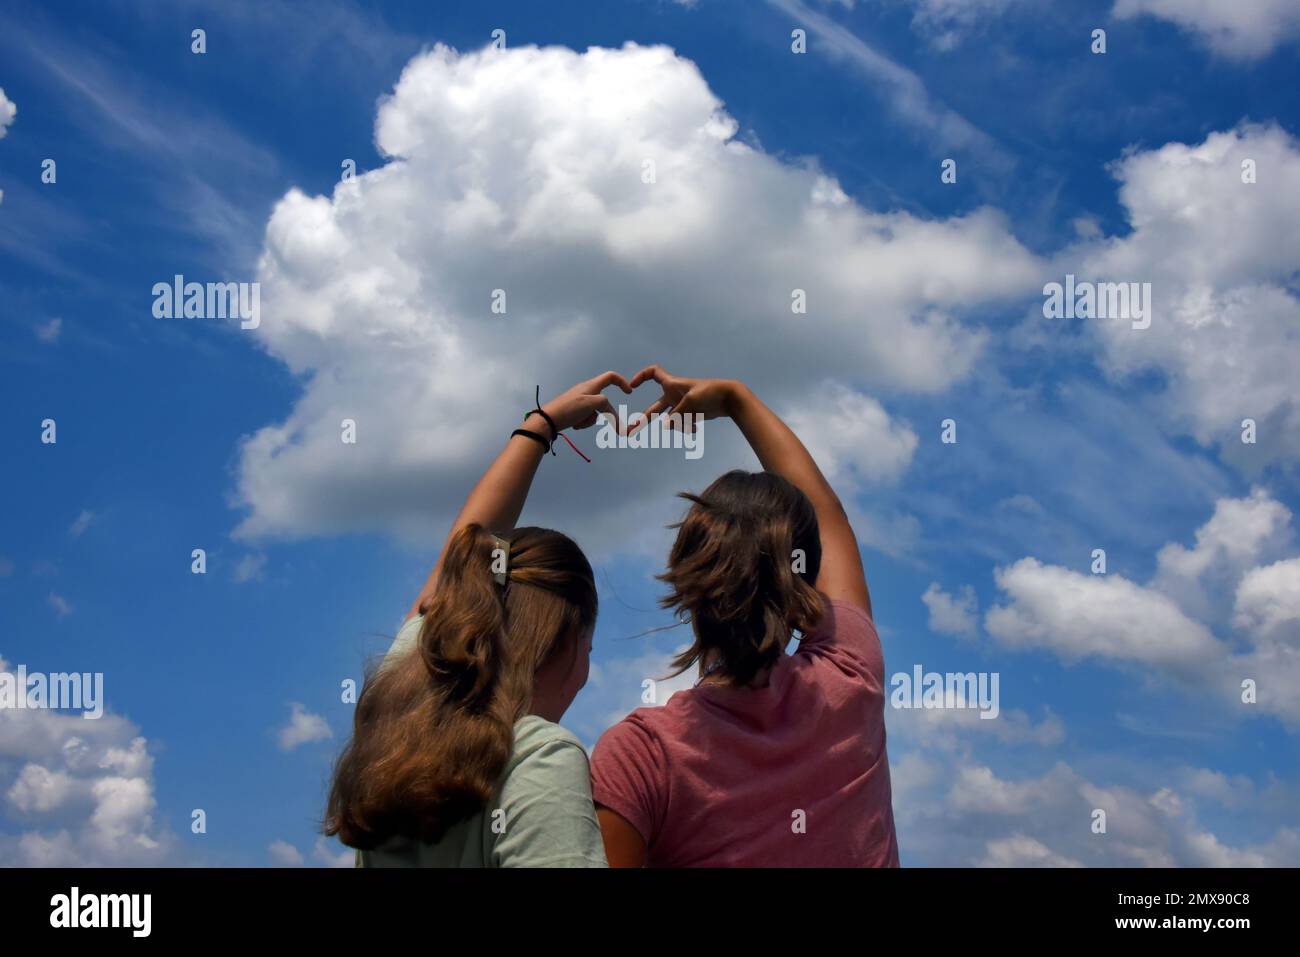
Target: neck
x,y
712,674
547,705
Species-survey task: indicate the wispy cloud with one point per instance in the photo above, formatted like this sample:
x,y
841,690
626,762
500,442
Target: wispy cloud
x,y
60,605
163,131
49,331
249,568
81,523
902,90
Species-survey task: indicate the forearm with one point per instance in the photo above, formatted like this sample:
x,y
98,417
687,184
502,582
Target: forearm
x,y
779,450
497,500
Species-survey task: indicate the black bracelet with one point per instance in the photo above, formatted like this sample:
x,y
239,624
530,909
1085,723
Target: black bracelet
x,y
537,402
533,435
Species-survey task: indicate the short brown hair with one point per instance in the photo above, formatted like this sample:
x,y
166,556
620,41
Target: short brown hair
x,y
731,572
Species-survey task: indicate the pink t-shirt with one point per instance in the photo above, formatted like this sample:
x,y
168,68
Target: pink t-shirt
x,y
717,776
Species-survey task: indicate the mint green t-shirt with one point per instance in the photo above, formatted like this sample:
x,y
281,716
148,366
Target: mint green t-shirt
x,y
540,816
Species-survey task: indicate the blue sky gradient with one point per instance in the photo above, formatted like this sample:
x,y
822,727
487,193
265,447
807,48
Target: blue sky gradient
x,y
171,162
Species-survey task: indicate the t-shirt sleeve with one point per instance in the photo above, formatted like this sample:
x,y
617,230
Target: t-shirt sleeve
x,y
847,636
629,775
407,638
548,819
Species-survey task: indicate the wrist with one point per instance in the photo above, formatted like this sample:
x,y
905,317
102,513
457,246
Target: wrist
x,y
538,423
553,411
736,396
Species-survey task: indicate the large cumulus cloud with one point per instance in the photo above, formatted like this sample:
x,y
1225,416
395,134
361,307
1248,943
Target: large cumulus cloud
x,y
524,170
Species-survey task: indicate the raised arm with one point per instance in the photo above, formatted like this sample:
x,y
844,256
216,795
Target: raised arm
x,y
498,498
779,451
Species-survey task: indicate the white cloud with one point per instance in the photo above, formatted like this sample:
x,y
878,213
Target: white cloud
x,y
303,728
959,728
946,23
1108,617
1021,851
81,523
77,792
1241,30
952,615
8,110
284,854
968,814
380,295
1220,255
1237,791
1268,598
324,852
851,436
1080,615
49,331
332,854
1241,534
37,788
121,805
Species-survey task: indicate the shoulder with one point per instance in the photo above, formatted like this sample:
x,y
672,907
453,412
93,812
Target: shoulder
x,y
847,635
545,759
538,740
547,817
841,614
533,732
640,728
655,727
635,744
630,774
407,638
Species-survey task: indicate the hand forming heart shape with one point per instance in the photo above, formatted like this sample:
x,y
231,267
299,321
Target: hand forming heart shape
x,y
581,406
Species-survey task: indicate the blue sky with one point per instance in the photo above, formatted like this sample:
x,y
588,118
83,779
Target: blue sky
x,y
522,168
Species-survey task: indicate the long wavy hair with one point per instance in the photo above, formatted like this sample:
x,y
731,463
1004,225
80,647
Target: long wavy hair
x,y
742,572
433,729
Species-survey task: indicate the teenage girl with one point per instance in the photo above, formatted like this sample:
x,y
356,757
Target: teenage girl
x,y
456,757
773,759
